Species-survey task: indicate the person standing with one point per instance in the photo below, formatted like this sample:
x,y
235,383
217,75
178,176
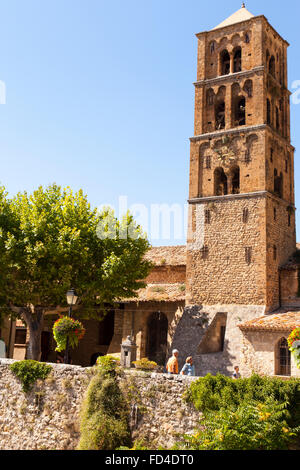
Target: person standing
x,y
172,364
236,374
188,368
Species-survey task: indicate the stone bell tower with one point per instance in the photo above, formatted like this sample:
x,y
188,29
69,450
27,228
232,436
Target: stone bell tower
x,y
242,213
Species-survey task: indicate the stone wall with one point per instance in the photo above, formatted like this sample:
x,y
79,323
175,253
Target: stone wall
x,y
47,418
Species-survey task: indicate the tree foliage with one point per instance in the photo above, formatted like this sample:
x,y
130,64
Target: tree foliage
x,y
52,240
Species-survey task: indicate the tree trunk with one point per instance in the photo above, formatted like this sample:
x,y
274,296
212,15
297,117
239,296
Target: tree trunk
x,y
35,323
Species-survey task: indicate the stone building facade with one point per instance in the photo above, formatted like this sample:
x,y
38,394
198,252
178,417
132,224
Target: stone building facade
x,y
241,263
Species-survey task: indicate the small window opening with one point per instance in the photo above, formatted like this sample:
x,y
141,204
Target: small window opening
x,y
237,60
245,216
221,185
225,63
207,216
204,252
220,115
248,255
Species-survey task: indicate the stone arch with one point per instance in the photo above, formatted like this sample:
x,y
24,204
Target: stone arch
x,y
210,97
238,106
237,59
272,66
224,62
220,108
220,182
234,179
282,358
157,337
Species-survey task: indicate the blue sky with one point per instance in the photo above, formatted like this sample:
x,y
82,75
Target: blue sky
x,y
100,94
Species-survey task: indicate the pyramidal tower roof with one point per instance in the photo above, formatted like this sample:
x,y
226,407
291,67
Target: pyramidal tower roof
x,y
241,15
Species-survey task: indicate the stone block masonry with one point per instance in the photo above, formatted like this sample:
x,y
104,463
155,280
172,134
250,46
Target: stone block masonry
x,y
48,417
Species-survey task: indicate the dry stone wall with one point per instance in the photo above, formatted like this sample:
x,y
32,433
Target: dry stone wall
x,y
47,418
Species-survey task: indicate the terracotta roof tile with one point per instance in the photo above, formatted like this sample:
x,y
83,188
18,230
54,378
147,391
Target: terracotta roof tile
x,y
160,293
273,322
167,255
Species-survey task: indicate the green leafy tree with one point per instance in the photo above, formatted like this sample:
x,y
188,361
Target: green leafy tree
x,y
250,426
52,240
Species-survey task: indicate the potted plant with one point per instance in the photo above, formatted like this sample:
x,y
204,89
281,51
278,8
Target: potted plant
x,y
67,327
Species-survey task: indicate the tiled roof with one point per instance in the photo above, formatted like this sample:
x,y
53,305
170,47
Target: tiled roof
x,y
167,255
160,293
241,15
273,322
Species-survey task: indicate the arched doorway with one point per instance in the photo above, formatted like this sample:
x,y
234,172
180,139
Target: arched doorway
x,y
157,337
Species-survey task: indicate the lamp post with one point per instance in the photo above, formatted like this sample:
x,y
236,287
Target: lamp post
x,y
72,298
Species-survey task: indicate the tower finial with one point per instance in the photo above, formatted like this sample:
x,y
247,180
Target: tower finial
x,y
243,5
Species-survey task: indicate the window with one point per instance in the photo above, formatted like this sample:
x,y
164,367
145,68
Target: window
x,y
274,252
220,182
220,115
225,62
247,38
248,255
289,219
245,216
240,112
235,180
237,60
20,337
271,155
207,216
204,252
278,183
212,47
282,358
272,66
268,112
286,166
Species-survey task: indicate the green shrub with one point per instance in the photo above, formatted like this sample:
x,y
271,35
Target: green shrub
x,y
29,371
104,415
108,364
252,413
145,364
250,426
211,393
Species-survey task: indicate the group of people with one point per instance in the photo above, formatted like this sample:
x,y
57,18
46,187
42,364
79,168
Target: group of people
x,y
173,368
189,368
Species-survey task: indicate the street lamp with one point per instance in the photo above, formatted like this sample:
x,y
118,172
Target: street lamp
x,y
72,298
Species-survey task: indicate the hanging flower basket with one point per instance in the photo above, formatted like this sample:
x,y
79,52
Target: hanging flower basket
x,y
294,345
66,327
